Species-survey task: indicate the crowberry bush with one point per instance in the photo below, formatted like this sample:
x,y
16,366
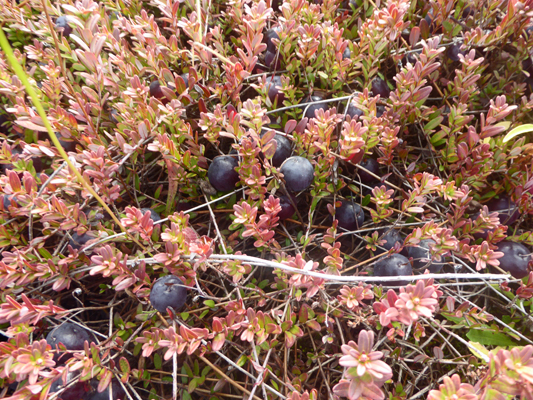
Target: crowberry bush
x,y
259,199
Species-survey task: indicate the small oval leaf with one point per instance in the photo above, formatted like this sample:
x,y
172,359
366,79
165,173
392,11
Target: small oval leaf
x,y
519,130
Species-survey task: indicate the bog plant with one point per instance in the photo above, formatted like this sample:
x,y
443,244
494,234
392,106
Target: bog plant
x,y
266,199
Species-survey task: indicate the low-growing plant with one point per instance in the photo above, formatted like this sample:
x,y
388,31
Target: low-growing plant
x,y
266,200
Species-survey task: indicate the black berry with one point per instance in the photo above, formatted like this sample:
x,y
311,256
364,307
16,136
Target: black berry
x,y
273,83
311,108
298,173
379,86
393,265
350,215
74,392
168,291
506,208
422,257
72,336
515,258
222,174
283,150
155,216
371,165
62,24
287,209
391,237
78,241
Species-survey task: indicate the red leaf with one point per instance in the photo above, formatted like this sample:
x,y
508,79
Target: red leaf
x,y
301,126
314,325
104,381
201,105
290,126
180,84
270,149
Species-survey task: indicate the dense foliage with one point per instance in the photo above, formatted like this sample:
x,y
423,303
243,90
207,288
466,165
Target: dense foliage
x,y
266,200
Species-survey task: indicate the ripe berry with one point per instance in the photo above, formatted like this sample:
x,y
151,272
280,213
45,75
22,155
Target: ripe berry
x,y
185,79
393,265
168,291
72,336
410,58
379,86
298,173
155,90
311,108
454,51
221,173
62,23
430,20
74,392
8,198
468,11
353,111
528,31
287,209
68,145
391,237
183,206
273,60
77,241
283,150
269,35
371,165
515,258
350,215
113,116
346,53
273,83
506,208
5,124
422,257
155,216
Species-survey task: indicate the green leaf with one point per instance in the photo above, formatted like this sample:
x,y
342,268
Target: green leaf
x,y
433,123
44,253
157,193
124,365
187,370
209,303
193,385
137,349
78,67
157,361
519,130
478,350
488,338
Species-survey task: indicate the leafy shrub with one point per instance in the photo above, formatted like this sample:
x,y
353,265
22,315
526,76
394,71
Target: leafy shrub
x,y
142,140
